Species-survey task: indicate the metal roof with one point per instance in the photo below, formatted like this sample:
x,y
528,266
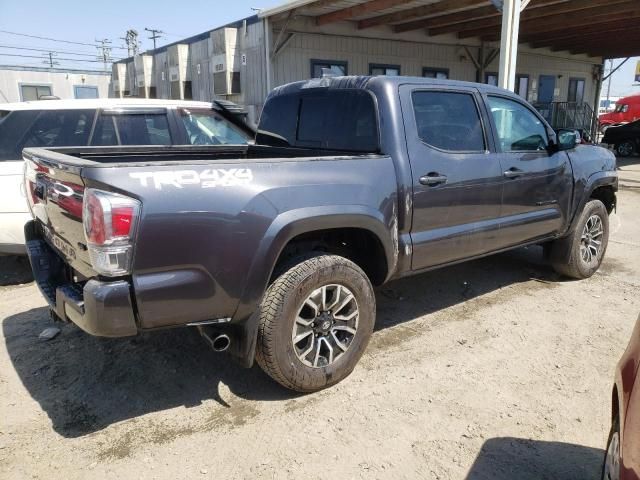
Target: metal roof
x,y
599,28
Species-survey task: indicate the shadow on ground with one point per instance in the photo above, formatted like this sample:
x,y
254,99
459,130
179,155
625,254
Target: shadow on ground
x,y
14,270
517,458
85,383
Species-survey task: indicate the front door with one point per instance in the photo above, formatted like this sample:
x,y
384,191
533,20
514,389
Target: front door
x,y
457,181
546,88
538,184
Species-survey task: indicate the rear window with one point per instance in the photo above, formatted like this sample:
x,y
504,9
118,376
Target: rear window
x,y
327,119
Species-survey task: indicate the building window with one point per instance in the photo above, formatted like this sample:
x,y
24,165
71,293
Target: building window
x,y
379,69
441,73
335,67
522,85
491,78
576,90
85,91
34,92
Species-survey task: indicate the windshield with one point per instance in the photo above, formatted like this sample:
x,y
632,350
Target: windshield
x,y
621,108
205,127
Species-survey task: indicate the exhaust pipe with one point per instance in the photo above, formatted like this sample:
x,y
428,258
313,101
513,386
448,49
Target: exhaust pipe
x,y
219,342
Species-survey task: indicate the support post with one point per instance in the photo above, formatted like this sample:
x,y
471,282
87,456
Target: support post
x,y
267,54
509,43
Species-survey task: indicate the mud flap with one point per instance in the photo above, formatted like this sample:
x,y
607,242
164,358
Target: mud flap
x,y
244,336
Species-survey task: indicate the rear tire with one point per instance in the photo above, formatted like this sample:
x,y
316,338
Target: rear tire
x,y
583,250
309,303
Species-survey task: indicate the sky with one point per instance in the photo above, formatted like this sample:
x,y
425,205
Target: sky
x,y
85,22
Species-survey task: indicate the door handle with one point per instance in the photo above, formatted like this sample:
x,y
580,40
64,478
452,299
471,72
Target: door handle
x,y
513,172
432,179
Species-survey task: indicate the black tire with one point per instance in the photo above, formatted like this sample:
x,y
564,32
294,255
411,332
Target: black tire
x,y
614,432
569,247
625,148
275,351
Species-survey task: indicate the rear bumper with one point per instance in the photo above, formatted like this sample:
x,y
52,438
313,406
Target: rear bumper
x,y
102,309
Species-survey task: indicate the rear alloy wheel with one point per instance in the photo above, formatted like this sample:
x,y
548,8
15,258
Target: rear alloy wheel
x,y
315,321
611,467
625,149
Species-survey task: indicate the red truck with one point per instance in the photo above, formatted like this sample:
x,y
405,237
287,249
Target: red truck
x,y
627,110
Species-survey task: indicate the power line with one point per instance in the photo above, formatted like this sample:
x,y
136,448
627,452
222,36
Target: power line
x,y
58,58
53,39
49,50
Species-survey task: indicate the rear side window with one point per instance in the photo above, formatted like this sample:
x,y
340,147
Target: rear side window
x,y
205,127
327,119
60,128
143,129
12,129
448,121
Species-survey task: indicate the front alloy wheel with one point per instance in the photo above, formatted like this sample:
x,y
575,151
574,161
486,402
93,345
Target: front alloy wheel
x,y
611,468
625,149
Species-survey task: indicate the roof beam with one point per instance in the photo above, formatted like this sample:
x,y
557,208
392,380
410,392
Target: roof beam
x,y
600,45
551,10
583,18
568,43
358,10
448,19
444,6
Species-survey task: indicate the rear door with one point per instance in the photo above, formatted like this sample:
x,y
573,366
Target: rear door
x,y
457,180
538,184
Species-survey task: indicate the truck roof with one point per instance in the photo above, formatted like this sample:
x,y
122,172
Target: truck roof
x,y
72,104
365,81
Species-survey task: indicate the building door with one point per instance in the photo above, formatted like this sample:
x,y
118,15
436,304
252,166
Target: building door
x,y
457,183
546,88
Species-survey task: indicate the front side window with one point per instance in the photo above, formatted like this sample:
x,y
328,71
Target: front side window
x,y
205,127
60,128
518,128
391,70
341,119
320,67
448,121
143,129
439,73
34,92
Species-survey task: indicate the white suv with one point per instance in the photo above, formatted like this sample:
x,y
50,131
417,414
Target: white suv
x,y
100,122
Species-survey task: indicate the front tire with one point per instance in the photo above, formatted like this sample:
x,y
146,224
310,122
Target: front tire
x,y
316,319
611,465
583,250
625,148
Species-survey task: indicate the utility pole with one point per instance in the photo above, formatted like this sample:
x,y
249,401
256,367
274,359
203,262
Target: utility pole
x,y
104,51
49,60
131,39
155,33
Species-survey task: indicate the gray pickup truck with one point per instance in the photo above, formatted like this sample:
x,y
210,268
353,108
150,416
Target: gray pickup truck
x,y
271,250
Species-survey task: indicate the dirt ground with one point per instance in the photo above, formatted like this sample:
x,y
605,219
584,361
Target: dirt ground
x,y
494,369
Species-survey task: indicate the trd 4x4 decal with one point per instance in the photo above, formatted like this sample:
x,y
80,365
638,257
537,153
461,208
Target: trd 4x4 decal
x,y
208,178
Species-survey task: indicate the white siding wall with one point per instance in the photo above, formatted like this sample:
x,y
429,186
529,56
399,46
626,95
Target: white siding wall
x,y
61,83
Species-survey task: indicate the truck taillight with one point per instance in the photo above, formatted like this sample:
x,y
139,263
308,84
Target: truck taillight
x,y
110,222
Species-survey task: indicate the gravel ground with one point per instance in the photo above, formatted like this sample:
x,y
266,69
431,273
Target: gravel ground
x,y
494,369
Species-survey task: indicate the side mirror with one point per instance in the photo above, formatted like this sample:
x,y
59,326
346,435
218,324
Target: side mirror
x,y
568,139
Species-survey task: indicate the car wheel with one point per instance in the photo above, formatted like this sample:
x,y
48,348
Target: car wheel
x,y
611,465
586,245
316,319
625,148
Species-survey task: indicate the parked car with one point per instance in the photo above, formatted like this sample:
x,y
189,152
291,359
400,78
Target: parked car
x,y
627,110
622,460
625,139
57,123
272,249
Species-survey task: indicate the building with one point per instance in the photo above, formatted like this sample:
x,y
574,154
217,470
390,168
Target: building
x,y
563,44
20,83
